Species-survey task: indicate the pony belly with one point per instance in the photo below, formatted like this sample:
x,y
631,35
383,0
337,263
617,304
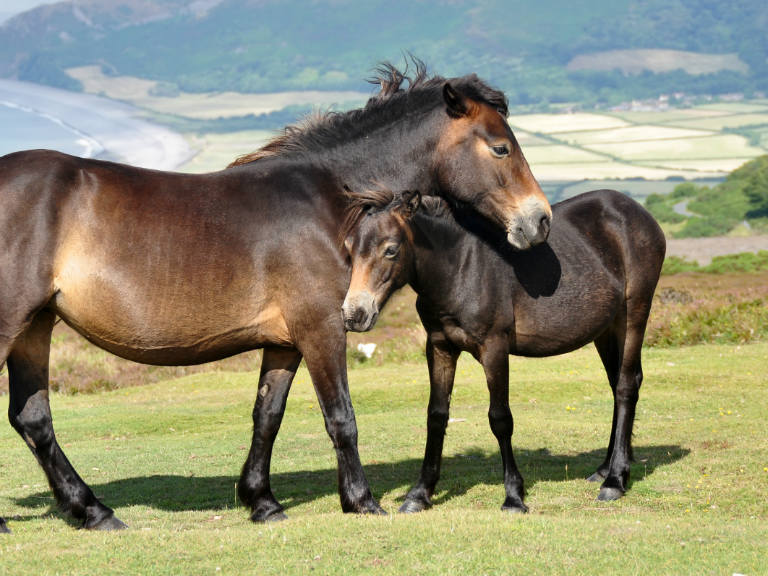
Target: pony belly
x,y
547,335
169,331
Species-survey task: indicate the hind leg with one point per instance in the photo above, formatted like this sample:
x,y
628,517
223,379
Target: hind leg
x,y
30,414
278,367
609,348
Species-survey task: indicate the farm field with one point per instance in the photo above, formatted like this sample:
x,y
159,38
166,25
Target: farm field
x,y
655,145
167,456
143,93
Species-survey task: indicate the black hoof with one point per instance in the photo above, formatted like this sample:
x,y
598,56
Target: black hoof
x,y
597,477
412,506
271,511
608,493
4,527
373,508
514,506
110,522
275,517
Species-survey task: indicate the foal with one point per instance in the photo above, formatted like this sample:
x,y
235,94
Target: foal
x,y
592,281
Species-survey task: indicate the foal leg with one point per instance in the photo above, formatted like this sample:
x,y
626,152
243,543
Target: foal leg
x,y
495,360
628,378
30,414
278,367
327,365
442,370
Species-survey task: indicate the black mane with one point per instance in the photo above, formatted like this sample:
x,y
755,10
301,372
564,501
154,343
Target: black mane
x,y
321,131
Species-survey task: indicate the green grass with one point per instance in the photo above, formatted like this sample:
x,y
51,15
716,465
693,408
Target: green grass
x,y
167,456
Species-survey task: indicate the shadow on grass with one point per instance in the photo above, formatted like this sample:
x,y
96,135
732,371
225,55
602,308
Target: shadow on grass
x,y
459,474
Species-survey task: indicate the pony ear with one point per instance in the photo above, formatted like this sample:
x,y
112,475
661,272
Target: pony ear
x,y
411,200
457,104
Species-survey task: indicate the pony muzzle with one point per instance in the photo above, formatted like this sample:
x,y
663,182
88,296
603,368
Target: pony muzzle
x,y
360,311
531,226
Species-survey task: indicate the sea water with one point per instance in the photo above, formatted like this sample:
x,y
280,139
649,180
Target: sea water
x,y
24,129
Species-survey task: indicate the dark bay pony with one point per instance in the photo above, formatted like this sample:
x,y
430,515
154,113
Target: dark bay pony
x,y
592,281
169,269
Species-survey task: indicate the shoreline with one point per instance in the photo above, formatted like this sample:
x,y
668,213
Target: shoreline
x,y
106,129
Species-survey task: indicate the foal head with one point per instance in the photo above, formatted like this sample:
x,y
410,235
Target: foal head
x,y
378,244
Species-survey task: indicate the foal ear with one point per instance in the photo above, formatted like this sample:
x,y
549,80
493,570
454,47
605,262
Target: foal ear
x,y
411,200
457,104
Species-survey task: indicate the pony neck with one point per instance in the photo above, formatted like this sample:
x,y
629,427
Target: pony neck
x,y
443,238
399,156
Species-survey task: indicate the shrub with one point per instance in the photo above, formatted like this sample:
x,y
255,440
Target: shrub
x,y
676,265
736,322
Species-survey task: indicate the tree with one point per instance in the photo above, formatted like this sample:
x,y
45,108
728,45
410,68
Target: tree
x,y
756,189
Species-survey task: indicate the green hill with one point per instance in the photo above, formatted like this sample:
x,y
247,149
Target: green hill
x,y
692,211
268,45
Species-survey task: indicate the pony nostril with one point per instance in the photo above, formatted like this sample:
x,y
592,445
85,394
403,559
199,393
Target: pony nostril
x,y
545,223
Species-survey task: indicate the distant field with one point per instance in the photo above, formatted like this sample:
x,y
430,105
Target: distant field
x,y
654,145
708,148
216,151
668,115
720,122
633,133
561,154
658,61
550,123
138,91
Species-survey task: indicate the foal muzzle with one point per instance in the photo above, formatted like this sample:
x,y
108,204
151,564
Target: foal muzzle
x,y
359,312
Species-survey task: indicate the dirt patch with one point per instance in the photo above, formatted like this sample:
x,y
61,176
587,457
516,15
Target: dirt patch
x,y
702,250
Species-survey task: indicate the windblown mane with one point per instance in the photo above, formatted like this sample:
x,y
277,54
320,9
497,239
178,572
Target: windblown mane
x,y
319,131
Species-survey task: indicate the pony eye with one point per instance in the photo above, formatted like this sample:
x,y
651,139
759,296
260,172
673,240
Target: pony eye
x,y
391,251
500,150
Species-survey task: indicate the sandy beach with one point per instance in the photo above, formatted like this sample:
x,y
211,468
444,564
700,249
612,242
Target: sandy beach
x,y
109,130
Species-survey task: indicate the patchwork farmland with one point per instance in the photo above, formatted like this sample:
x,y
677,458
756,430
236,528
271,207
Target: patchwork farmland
x,y
698,143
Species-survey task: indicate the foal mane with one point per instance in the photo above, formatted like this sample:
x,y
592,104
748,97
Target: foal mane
x,y
318,131
361,203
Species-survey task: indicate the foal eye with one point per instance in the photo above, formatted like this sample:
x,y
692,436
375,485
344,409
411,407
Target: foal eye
x,y
500,150
391,251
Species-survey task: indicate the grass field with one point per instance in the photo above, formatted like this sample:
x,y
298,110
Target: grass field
x,y
654,145
167,457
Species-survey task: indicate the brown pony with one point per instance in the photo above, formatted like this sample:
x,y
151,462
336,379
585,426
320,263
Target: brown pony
x,y
592,281
165,268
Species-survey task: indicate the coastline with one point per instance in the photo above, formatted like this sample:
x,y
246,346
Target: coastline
x,y
106,129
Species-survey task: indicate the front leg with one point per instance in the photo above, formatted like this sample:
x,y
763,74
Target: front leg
x,y
278,367
442,370
495,359
327,365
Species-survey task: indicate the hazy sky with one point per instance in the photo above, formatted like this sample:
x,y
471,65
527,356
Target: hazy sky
x,y
10,8
22,5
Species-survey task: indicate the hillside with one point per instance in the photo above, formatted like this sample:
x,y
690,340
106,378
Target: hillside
x,y
739,202
540,54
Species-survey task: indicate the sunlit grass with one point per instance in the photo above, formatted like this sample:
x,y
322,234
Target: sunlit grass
x,y
167,457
